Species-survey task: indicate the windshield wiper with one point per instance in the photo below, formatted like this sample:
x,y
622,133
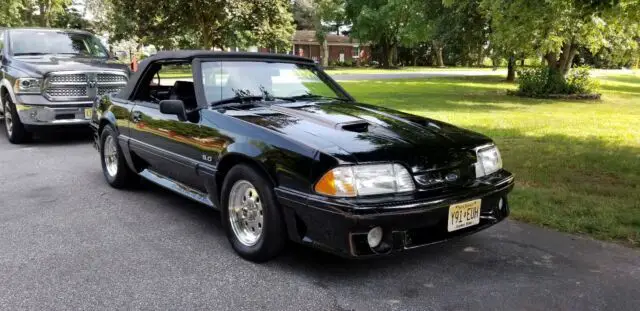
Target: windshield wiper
x,y
30,53
241,99
308,96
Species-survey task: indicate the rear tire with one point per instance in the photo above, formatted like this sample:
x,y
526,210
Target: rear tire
x,y
16,133
114,165
251,216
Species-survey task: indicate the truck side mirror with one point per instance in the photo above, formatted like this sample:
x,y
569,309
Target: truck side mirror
x,y
174,107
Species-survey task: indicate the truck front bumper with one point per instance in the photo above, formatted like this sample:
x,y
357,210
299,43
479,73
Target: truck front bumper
x,y
34,110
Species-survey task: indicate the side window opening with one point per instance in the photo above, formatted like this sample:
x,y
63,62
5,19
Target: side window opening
x,y
169,81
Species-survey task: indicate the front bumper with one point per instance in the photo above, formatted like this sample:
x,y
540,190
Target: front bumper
x,y
343,231
35,110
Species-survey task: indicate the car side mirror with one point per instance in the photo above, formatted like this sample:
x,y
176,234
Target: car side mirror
x,y
174,107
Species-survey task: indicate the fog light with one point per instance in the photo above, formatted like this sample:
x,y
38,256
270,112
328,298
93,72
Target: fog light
x,y
374,237
501,204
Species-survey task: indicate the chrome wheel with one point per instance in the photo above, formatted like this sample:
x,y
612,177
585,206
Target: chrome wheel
x,y
245,213
8,119
110,155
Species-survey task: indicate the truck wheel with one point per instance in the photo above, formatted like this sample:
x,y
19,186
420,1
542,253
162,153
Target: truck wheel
x,y
114,165
251,216
16,133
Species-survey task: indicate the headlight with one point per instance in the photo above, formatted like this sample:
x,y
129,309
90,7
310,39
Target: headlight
x,y
489,161
363,180
27,86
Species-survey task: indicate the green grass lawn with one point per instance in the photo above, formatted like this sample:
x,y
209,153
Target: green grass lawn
x,y
577,163
368,70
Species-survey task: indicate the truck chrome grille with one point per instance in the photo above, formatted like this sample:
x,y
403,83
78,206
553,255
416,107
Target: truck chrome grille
x,y
67,92
107,90
111,78
82,86
70,78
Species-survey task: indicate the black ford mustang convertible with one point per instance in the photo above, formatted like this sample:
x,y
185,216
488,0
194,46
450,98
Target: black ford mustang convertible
x,y
286,154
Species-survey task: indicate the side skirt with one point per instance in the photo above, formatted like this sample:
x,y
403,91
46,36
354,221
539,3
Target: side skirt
x,y
177,187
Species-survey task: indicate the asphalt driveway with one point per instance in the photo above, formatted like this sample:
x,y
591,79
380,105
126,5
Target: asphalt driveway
x,y
69,241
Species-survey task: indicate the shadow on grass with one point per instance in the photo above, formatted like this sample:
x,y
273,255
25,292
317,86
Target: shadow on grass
x,y
622,88
622,78
459,94
575,185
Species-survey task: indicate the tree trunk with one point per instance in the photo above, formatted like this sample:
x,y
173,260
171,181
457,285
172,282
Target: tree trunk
x,y
394,55
44,20
438,48
386,54
569,60
511,69
522,62
563,62
480,56
552,60
325,53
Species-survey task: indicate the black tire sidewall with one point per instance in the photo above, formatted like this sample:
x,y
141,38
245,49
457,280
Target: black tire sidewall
x,y
18,132
273,236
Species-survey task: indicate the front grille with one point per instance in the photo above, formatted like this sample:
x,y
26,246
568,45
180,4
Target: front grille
x,y
111,78
108,89
67,92
68,78
66,86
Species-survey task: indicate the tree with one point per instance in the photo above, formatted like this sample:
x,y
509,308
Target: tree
x,y
202,23
11,13
557,29
43,13
388,23
48,9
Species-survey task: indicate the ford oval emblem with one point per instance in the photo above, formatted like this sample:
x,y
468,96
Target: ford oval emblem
x,y
451,177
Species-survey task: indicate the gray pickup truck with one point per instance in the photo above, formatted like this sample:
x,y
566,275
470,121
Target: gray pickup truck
x,y
50,78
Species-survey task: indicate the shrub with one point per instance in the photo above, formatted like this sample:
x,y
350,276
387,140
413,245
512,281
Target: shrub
x,y
579,81
348,63
542,82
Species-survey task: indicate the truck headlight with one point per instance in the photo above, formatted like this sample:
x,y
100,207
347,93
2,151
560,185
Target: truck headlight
x,y
27,86
489,161
364,180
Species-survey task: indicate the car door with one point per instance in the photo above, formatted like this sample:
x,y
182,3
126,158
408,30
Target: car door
x,y
169,145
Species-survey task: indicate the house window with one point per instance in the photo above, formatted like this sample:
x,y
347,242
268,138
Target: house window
x,y
356,52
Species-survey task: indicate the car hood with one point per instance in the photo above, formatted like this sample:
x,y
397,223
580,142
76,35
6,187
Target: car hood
x,y
361,133
43,65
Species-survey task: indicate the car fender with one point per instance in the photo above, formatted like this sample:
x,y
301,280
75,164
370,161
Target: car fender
x,y
106,117
9,87
249,151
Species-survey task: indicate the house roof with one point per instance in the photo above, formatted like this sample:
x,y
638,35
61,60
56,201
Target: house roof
x,y
309,37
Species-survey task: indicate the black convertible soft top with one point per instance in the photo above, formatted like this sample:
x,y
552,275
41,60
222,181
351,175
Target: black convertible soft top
x,y
189,55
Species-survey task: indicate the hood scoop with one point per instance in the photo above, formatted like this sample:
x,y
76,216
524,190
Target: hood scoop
x,y
356,126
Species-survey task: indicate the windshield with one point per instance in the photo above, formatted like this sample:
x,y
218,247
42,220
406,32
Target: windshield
x,y
225,80
34,42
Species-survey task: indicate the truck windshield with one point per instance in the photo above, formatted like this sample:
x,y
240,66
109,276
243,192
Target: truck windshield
x,y
34,42
231,79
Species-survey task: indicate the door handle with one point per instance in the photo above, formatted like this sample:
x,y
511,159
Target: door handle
x,y
136,116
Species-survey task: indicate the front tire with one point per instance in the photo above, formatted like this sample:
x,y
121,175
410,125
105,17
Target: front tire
x,y
16,133
114,165
251,216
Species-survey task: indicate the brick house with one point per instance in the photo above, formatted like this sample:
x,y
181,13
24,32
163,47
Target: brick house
x,y
341,48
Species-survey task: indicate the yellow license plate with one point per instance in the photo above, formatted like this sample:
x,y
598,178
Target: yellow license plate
x,y
88,112
463,215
